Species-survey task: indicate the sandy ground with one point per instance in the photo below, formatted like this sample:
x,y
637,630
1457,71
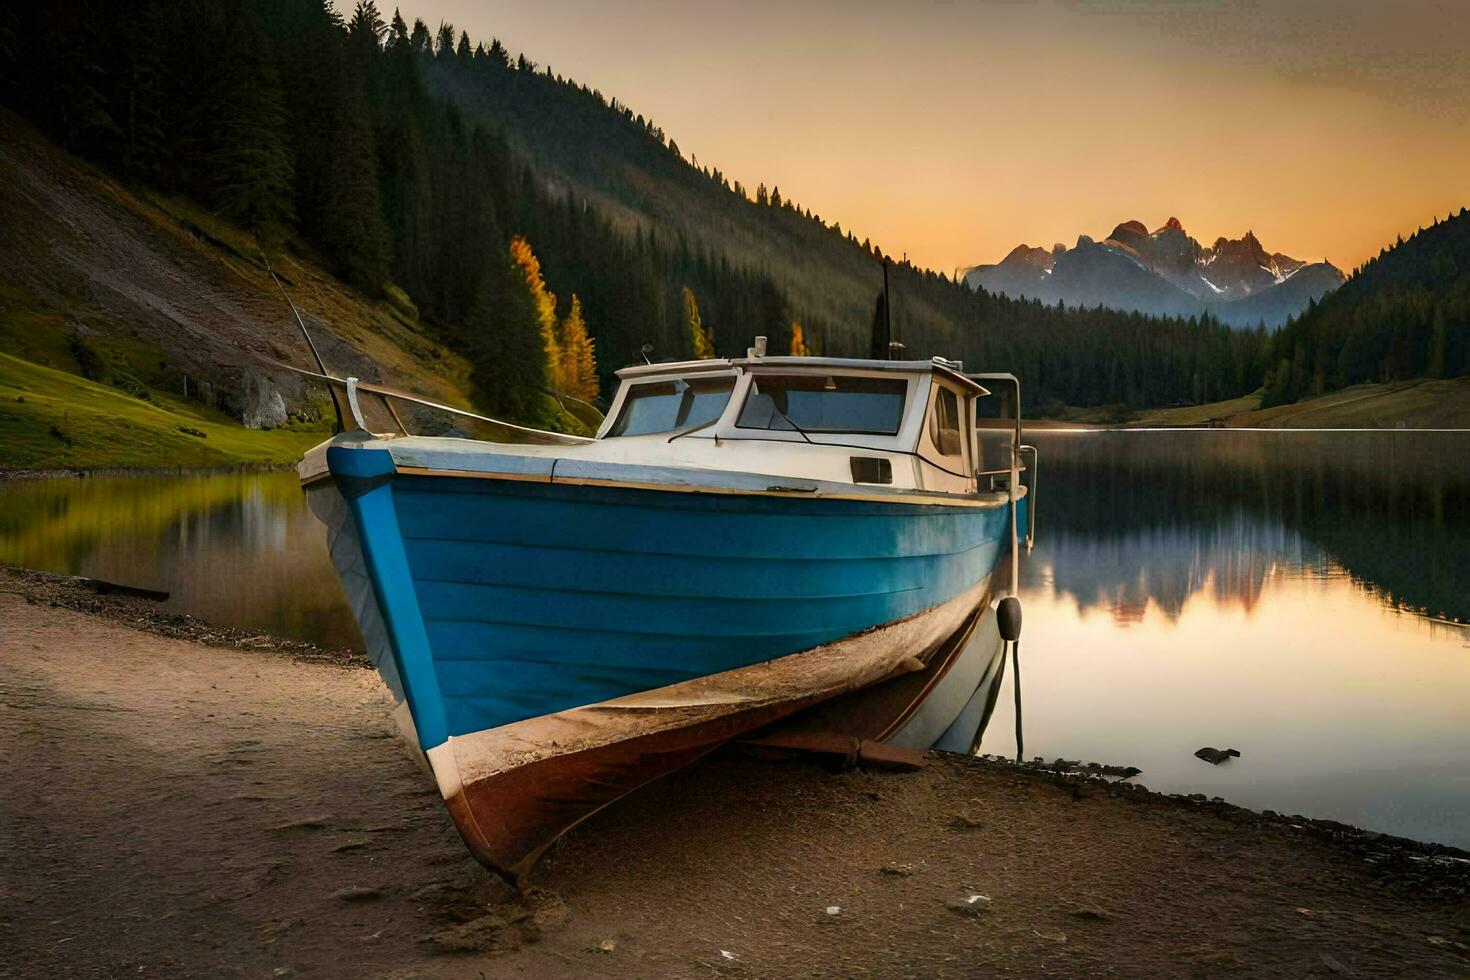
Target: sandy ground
x,y
172,807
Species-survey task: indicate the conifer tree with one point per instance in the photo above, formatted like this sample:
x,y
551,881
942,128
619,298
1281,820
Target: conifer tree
x,y
878,332
139,96
366,26
798,342
578,355
353,231
702,340
419,39
504,343
249,177
445,47
545,305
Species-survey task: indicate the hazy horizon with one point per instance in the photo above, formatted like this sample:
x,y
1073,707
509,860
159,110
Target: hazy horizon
x,y
1326,128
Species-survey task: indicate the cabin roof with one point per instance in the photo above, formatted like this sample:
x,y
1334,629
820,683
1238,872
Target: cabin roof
x,y
817,365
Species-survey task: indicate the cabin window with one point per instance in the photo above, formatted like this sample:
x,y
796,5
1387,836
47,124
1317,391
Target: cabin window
x,y
944,422
663,406
813,403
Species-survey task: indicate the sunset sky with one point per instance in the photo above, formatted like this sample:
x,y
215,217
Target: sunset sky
x,y
954,130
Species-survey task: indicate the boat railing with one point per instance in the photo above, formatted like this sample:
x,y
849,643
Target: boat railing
x,y
355,389
1019,452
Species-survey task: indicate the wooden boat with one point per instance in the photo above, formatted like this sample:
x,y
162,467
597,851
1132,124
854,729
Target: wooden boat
x,y
746,537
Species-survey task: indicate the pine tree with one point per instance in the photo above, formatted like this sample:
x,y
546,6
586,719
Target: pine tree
x,y
139,99
700,339
249,177
545,302
1438,335
504,344
445,47
419,39
353,231
578,355
366,28
878,333
798,342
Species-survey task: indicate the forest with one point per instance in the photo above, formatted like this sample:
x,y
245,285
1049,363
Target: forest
x,y
419,163
1404,314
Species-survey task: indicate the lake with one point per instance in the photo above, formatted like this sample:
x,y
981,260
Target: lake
x,y
1292,595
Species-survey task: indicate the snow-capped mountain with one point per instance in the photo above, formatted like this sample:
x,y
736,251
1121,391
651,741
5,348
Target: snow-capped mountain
x,y
1164,272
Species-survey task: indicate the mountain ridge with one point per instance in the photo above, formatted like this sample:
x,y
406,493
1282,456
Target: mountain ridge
x,y
1165,272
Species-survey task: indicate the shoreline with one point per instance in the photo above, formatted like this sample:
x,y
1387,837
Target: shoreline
x,y
229,802
83,473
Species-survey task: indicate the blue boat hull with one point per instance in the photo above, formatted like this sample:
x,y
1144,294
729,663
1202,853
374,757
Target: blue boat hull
x,y
491,605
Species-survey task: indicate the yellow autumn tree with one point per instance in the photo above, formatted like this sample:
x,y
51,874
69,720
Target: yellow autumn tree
x,y
530,266
702,340
798,342
578,355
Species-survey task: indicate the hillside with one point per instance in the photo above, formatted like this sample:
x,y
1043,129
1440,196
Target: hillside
x,y
530,222
151,313
1405,314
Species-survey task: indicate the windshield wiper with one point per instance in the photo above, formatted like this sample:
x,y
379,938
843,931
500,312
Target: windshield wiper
x,y
789,421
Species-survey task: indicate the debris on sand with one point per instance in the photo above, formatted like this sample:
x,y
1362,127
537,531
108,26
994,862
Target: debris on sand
x,y
971,903
525,918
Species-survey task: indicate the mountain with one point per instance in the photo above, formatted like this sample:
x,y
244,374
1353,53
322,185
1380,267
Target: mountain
x,y
1404,314
1165,272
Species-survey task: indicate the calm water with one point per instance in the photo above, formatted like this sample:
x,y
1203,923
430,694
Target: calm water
x,y
1290,595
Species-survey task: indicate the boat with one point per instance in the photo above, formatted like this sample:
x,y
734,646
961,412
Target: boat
x,y
561,620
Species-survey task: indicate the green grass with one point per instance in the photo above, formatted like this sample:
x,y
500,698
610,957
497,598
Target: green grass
x,y
1198,414
51,419
1421,404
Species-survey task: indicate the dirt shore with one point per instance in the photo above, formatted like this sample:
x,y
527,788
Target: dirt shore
x,y
208,803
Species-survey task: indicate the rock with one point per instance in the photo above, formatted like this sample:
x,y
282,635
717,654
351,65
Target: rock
x,y
963,821
358,893
896,869
1090,913
261,404
970,904
1216,756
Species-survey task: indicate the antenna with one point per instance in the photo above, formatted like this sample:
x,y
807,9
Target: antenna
x,y
336,408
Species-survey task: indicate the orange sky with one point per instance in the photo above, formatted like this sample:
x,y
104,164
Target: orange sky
x,y
955,130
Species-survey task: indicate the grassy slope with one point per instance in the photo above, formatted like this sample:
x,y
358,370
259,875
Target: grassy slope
x,y
1420,404
161,290
52,419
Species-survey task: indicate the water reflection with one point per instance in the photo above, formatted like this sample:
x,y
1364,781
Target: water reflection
x,y
237,549
1132,516
1288,594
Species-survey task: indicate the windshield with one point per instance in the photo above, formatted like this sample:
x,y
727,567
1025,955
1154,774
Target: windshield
x,y
872,406
663,406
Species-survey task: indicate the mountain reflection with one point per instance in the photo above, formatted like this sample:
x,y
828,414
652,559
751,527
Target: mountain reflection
x,y
1126,519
